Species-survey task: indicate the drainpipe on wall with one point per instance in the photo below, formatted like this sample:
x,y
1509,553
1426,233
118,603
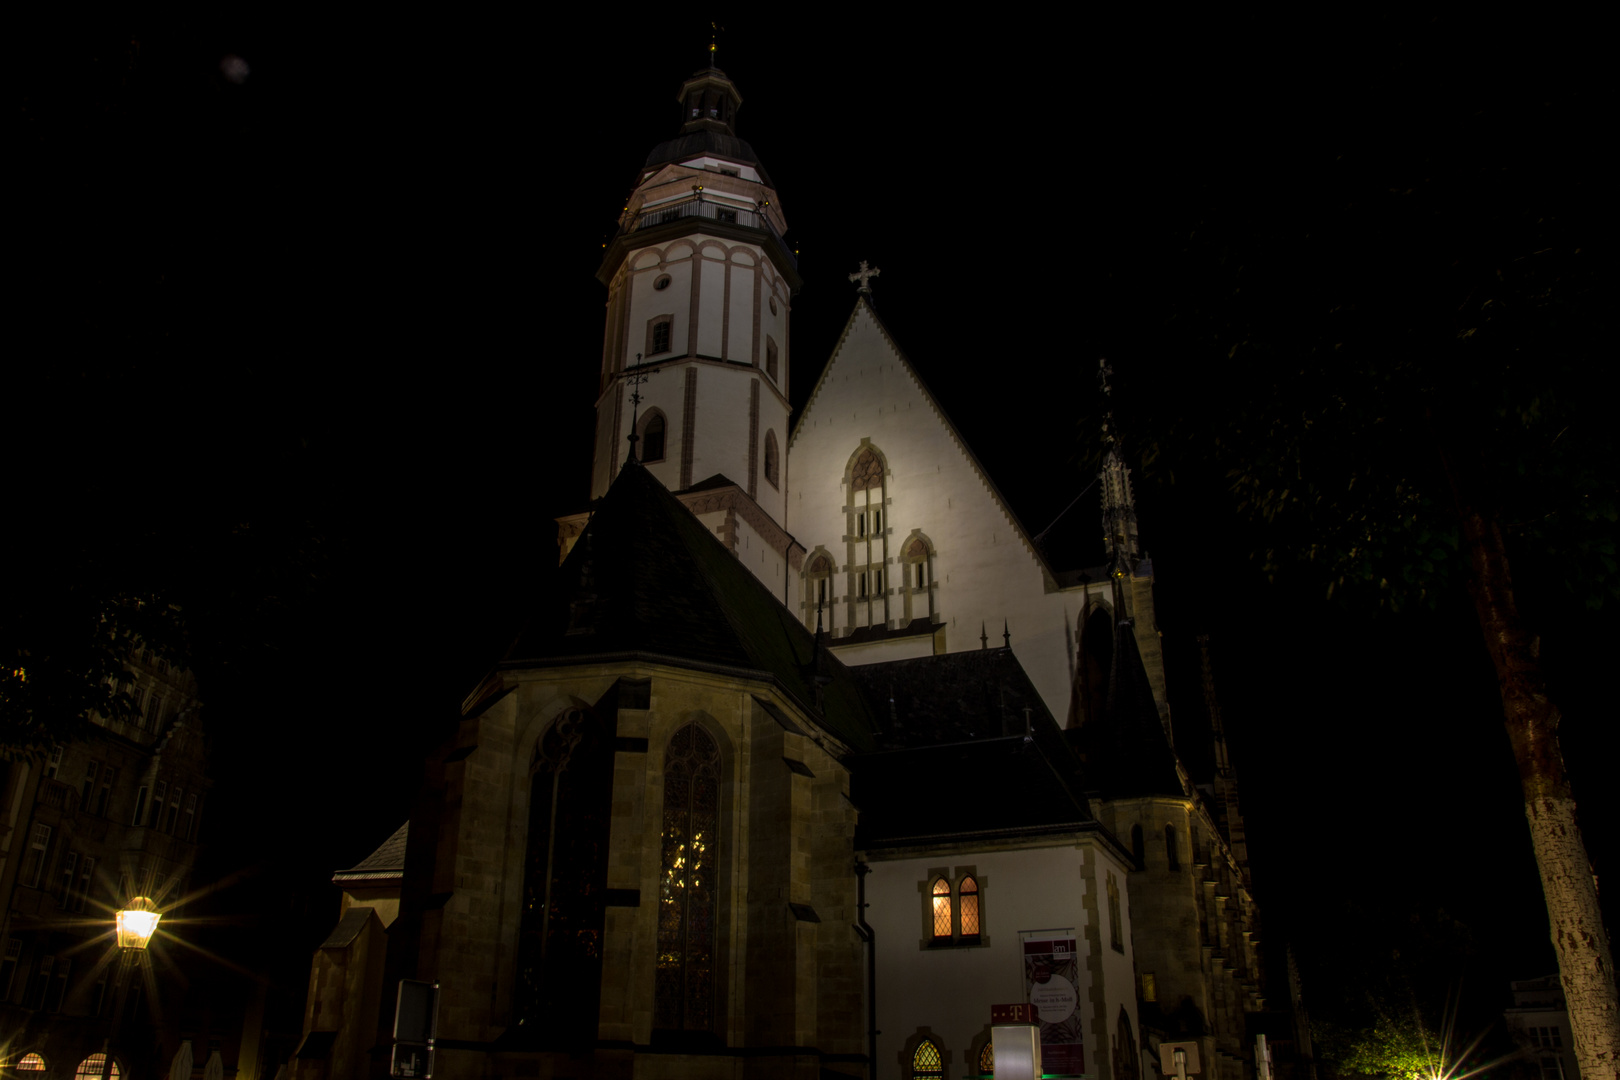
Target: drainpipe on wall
x,y
868,935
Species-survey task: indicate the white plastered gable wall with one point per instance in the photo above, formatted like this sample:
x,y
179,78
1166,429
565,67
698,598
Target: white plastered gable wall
x,y
985,569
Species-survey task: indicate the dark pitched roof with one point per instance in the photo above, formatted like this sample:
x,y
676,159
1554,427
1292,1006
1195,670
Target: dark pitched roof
x,y
387,861
706,144
647,577
1127,750
955,761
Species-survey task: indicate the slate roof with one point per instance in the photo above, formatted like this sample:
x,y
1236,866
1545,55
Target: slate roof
x,y
706,144
387,861
1127,751
647,578
954,761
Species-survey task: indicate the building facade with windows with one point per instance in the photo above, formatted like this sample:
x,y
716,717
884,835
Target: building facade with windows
x,y
757,793
1539,1023
89,826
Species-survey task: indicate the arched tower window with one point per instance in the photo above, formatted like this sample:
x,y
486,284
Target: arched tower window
x,y
1170,847
773,461
927,1061
1138,847
688,887
654,436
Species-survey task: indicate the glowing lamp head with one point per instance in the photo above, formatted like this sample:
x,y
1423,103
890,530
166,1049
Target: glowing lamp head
x,y
137,923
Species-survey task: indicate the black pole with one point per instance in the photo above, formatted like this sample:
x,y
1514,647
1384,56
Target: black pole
x,y
868,935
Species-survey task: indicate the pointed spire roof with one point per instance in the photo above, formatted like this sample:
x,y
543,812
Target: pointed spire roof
x,y
647,579
1128,753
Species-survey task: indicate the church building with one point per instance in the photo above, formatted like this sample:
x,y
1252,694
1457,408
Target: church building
x,y
810,753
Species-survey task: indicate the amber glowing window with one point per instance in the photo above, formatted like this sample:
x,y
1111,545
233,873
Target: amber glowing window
x,y
969,893
31,1063
684,996
927,1061
92,1067
987,1059
942,910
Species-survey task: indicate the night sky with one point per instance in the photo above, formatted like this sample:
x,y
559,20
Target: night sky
x,y
351,297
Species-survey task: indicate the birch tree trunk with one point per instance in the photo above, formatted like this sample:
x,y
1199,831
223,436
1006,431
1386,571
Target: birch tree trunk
x,y
1585,960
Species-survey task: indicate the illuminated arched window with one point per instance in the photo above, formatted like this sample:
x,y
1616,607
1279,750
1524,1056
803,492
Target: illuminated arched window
x,y
927,1061
90,1068
866,533
687,887
942,909
30,1063
987,1058
969,896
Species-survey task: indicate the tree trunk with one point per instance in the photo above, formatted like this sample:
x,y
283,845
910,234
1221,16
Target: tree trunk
x,y
1585,961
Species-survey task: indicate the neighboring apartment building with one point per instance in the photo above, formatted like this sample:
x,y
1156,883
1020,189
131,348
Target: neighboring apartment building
x,y
1539,1021
82,830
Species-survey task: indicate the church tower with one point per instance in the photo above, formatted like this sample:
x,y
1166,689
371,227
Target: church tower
x,y
700,283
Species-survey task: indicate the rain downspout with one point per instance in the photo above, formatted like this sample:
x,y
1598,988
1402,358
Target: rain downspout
x,y
868,935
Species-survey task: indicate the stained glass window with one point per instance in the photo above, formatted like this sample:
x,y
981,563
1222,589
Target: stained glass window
x,y
942,909
90,1068
31,1063
867,473
969,893
927,1061
987,1059
687,893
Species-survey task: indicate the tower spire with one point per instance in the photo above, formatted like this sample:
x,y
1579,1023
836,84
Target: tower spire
x,y
1226,791
1119,508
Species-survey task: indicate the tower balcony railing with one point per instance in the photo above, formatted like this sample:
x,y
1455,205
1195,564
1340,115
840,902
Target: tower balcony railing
x,y
698,206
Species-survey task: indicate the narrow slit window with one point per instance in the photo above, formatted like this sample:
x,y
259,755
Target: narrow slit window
x,y
1170,847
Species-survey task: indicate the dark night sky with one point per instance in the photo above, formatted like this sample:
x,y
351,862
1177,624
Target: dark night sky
x,y
357,289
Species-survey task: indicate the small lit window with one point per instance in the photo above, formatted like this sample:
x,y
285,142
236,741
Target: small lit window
x,y
91,1068
942,910
969,893
927,1061
30,1063
1150,987
987,1058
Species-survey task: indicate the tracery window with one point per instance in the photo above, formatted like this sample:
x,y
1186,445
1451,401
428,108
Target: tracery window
x,y
868,471
954,916
818,590
927,1061
865,535
562,918
1125,1049
688,889
987,1058
30,1063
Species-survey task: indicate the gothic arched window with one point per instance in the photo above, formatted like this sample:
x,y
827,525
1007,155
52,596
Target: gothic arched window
x,y
866,536
92,1067
867,472
773,460
942,910
968,894
987,1058
688,888
818,590
1170,847
562,919
654,431
1125,1049
927,1061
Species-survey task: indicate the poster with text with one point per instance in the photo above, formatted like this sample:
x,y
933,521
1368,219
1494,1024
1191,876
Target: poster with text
x,y
1052,983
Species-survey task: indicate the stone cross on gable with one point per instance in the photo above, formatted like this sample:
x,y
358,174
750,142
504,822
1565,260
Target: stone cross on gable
x,y
864,276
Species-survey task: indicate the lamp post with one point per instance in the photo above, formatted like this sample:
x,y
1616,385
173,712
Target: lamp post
x,y
135,925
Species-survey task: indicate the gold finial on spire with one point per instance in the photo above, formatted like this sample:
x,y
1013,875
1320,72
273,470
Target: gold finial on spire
x,y
714,40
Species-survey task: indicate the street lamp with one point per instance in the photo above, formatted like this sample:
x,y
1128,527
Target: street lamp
x,y
135,923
